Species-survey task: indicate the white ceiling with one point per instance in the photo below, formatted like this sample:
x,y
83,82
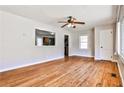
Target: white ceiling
x,y
92,15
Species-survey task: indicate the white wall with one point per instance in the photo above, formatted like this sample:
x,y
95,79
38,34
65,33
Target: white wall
x,y
1,36
19,42
75,43
97,39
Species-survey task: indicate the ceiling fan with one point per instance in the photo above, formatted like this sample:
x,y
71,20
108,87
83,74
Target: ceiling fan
x,y
71,22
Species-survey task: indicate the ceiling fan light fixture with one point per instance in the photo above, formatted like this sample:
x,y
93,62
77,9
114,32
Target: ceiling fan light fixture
x,y
71,22
72,25
69,25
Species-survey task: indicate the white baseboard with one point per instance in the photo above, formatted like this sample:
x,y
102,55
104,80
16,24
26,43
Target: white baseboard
x,y
82,55
25,65
116,61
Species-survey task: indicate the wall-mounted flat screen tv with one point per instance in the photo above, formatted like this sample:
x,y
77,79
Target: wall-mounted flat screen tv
x,y
44,38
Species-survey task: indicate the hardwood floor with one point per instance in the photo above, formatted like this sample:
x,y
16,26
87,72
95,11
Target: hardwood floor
x,y
69,72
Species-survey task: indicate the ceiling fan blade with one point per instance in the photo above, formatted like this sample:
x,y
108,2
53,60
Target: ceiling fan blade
x,y
79,22
72,18
62,21
64,25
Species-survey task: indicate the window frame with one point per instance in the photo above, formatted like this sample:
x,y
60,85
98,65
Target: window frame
x,y
121,37
82,42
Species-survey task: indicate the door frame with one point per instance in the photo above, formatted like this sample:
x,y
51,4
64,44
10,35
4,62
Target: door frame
x,y
101,46
66,46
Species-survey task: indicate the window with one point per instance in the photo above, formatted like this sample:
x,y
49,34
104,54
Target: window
x,y
83,42
122,37
120,33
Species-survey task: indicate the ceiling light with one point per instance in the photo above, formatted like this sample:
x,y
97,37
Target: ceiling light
x,y
69,25
72,25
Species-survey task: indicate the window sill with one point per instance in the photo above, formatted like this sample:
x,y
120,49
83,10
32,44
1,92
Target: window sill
x,y
83,49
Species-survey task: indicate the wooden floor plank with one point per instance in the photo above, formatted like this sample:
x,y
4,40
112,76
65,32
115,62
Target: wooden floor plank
x,y
73,71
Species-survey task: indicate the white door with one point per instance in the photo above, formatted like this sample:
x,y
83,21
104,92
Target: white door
x,y
106,44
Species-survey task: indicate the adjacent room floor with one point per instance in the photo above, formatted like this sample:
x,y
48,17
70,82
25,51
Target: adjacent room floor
x,y
67,72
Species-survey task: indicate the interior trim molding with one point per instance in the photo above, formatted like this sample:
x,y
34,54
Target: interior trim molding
x,y
83,55
116,61
120,59
120,74
26,65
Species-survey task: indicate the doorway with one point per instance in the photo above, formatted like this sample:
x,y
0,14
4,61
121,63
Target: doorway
x,y
66,45
106,44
